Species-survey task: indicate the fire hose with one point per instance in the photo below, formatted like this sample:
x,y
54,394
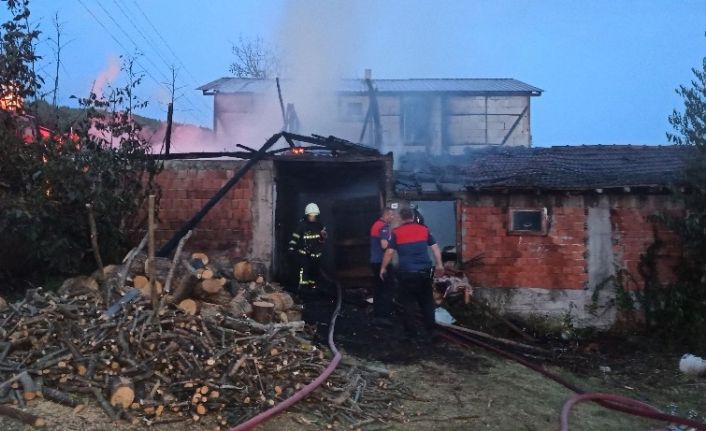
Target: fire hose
x,y
609,401
308,389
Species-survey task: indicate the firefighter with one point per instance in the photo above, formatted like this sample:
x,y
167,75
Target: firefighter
x,y
410,241
307,245
380,236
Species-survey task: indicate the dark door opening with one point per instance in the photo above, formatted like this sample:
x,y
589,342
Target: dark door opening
x,y
440,218
349,195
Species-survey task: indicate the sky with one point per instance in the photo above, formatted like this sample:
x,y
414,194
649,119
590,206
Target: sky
x,y
608,68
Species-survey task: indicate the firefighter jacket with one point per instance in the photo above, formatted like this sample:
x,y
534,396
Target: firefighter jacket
x,y
308,239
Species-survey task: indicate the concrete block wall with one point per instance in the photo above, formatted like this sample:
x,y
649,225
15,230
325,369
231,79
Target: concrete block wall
x,y
187,185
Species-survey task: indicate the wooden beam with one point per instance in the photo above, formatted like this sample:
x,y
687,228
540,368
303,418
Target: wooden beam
x,y
514,125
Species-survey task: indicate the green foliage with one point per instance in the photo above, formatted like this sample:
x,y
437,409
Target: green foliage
x,y
98,157
17,55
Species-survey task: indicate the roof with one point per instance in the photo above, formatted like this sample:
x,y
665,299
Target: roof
x,y
456,85
555,168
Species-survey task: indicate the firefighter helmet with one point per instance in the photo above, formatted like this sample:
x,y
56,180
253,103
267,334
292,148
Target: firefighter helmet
x,y
312,208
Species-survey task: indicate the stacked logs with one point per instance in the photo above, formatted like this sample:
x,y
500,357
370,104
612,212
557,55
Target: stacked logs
x,y
139,365
222,336
205,286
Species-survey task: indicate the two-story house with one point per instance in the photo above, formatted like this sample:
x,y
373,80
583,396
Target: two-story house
x,y
436,116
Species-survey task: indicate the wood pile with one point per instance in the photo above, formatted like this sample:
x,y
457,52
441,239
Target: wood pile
x,y
198,352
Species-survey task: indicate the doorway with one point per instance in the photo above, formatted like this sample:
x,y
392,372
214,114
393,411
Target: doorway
x,y
440,218
350,196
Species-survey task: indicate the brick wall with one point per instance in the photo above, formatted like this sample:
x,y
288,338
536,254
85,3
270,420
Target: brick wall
x,y
187,185
633,232
552,261
558,260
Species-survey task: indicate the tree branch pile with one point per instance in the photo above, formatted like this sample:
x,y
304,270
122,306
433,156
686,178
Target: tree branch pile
x,y
221,341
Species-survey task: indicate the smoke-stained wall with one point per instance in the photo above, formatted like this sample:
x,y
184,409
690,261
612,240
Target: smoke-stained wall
x,y
434,123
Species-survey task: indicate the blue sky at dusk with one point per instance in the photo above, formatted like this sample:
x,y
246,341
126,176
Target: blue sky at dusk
x,y
608,68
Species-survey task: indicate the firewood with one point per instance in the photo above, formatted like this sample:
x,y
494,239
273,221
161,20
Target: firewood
x,y
140,281
24,417
3,304
210,311
207,274
78,285
201,409
240,306
212,285
122,393
203,257
189,306
263,311
29,387
185,287
243,272
294,315
146,293
282,317
281,300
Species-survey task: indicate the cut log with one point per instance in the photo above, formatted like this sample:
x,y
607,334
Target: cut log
x,y
210,311
222,298
282,317
140,281
263,311
122,394
185,287
203,257
294,315
189,306
243,272
3,304
23,417
30,390
212,285
206,274
78,285
145,291
239,306
282,300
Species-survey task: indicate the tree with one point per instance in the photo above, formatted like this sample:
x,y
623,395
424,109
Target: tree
x,y
18,79
254,58
683,307
46,181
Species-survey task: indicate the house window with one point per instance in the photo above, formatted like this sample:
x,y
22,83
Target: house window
x,y
528,221
416,120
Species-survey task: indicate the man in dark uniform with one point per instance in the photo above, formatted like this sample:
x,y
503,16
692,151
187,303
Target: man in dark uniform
x,y
380,236
411,240
306,245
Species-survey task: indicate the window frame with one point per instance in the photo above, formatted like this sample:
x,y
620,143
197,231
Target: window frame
x,y
544,230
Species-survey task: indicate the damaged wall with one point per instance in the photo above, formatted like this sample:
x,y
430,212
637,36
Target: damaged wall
x,y
590,237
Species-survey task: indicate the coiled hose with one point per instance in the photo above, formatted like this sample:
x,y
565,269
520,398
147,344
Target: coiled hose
x,y
308,389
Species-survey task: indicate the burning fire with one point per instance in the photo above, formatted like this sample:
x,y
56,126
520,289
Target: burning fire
x,y
10,101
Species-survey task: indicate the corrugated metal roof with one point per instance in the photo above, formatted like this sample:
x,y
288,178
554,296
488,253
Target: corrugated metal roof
x,y
555,168
456,85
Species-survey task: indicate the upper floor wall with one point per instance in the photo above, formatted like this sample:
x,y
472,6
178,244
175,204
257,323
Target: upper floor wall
x,y
435,119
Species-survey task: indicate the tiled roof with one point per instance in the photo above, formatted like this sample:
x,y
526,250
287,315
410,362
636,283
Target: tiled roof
x,y
554,168
458,85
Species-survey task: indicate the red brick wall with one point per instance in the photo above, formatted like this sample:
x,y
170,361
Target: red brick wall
x,y
558,260
552,261
187,186
633,232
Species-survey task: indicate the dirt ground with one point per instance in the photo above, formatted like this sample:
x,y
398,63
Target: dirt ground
x,y
456,388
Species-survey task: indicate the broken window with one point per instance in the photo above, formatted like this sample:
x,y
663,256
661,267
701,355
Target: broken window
x,y
528,221
416,120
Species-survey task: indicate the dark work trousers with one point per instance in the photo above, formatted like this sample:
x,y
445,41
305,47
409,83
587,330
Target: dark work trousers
x,y
308,272
384,291
415,290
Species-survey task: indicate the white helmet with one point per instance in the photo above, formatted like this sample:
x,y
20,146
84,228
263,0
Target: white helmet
x,y
312,208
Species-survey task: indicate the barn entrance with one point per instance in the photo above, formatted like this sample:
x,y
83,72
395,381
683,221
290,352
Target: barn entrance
x,y
350,196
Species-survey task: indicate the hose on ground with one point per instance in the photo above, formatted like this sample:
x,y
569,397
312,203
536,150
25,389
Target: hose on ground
x,y
613,402
308,389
